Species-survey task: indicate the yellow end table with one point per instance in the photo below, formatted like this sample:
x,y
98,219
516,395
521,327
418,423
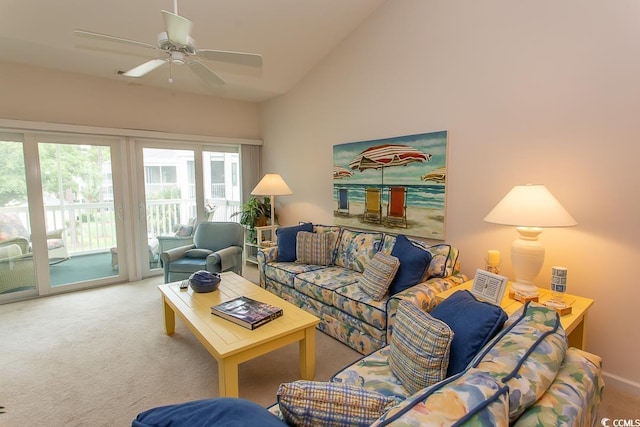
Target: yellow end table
x,y
573,323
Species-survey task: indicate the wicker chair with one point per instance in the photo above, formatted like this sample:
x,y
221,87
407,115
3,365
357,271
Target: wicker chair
x,y
12,230
17,270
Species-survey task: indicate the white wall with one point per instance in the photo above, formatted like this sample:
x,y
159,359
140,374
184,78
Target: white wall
x,y
40,95
530,92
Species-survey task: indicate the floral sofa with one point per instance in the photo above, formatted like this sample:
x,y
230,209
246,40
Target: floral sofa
x,y
329,287
524,376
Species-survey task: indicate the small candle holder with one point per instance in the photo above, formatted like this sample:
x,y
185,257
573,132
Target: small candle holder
x,y
493,269
492,261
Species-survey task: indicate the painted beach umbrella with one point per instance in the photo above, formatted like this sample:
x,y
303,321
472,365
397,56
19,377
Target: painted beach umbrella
x,y
387,155
437,175
339,172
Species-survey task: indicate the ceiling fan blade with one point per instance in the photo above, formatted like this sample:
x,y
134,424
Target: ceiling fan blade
x,y
145,68
210,78
98,36
178,28
240,58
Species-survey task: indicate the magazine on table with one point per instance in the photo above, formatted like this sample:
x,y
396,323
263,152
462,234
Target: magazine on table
x,y
247,312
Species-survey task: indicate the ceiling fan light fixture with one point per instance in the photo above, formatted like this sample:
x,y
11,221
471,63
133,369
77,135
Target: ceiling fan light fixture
x,y
177,57
168,46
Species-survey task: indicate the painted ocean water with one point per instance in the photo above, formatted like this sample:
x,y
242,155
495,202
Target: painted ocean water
x,y
423,196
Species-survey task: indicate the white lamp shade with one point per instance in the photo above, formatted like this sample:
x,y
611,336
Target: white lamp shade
x,y
530,206
271,184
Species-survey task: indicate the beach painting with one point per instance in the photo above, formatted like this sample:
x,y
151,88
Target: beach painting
x,y
396,185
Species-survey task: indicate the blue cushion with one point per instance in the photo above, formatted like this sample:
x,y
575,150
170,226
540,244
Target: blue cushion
x,y
220,412
198,253
414,261
287,241
473,323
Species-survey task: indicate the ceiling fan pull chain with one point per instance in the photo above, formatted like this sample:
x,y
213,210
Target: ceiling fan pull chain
x,y
170,71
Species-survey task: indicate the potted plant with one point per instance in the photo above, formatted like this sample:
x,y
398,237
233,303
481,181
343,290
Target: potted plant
x,y
255,213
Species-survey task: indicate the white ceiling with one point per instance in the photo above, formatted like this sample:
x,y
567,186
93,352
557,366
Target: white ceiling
x,y
291,35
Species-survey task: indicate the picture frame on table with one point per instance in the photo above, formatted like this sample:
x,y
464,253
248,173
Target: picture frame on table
x,y
488,286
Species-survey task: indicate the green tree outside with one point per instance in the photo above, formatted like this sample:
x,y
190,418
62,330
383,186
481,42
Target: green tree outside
x,y
70,172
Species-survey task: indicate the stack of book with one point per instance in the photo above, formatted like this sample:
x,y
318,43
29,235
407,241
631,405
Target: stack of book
x,y
247,312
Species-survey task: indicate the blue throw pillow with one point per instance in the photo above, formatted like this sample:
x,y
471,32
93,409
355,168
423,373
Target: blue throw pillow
x,y
220,412
414,261
287,241
473,323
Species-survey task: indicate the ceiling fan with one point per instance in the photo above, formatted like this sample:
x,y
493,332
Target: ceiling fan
x,y
175,46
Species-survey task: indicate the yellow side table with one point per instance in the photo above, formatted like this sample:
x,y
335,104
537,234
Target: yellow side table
x,y
573,323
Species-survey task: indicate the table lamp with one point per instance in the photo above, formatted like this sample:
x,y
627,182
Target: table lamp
x,y
272,185
529,208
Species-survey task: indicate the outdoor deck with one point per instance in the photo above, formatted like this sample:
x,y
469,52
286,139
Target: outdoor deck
x,y
83,267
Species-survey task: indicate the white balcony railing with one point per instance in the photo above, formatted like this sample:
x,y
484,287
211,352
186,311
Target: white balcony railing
x,y
91,227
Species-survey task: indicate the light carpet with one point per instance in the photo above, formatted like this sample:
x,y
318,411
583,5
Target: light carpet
x,y
99,357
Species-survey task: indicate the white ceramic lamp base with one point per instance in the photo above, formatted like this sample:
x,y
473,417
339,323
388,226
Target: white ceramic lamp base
x,y
527,257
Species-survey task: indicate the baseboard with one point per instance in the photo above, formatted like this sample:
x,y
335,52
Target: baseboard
x,y
622,384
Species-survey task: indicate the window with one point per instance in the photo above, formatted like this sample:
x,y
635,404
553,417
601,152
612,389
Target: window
x,y
217,179
162,181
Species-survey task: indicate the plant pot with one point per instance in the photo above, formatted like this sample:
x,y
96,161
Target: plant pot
x,y
261,221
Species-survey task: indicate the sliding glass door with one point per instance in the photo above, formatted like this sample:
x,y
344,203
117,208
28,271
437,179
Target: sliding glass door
x,y
80,214
79,210
169,191
221,182
17,264
181,187
58,221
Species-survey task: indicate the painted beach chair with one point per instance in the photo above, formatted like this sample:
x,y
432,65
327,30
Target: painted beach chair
x,y
372,205
343,201
397,207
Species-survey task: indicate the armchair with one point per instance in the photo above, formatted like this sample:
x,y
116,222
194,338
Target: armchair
x,y
17,270
56,246
182,236
22,243
13,231
217,247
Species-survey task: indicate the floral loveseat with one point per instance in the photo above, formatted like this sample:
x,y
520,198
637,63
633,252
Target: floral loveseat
x,y
524,376
327,281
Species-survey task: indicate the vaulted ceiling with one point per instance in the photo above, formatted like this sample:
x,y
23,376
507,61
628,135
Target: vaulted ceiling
x,y
291,35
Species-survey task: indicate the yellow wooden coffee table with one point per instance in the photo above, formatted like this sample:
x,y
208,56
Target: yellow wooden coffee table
x,y
231,344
